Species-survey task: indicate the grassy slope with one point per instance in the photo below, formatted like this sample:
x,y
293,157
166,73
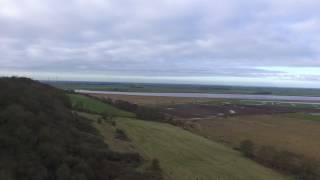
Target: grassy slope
x,y
108,132
184,155
97,106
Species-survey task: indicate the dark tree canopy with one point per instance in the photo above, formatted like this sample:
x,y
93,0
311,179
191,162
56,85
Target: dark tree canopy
x,y
42,139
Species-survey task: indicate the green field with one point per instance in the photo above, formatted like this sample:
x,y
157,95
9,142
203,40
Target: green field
x,y
96,106
183,155
304,116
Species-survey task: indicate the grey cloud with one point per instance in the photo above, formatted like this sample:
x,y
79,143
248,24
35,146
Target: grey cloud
x,y
178,38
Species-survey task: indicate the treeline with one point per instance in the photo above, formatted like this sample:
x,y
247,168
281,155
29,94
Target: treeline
x,y
41,139
301,167
142,112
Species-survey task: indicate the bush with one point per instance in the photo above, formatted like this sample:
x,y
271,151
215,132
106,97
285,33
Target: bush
x,y
151,114
125,105
155,165
265,155
121,135
99,120
107,116
247,147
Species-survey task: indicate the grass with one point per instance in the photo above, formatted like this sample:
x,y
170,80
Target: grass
x,y
96,106
305,116
183,155
296,132
108,131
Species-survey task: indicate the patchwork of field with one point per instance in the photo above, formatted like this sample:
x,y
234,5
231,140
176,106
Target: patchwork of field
x,y
286,126
182,154
297,132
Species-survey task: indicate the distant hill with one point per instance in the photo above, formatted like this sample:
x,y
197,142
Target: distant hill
x,y
184,88
42,139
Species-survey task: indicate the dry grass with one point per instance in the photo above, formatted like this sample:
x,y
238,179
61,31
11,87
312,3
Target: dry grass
x,y
284,132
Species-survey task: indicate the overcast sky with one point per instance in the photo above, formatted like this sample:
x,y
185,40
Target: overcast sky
x,y
240,42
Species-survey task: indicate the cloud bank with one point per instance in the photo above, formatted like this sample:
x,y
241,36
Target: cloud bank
x,y
203,40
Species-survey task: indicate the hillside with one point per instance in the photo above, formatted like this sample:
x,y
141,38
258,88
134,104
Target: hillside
x,y
182,155
82,102
42,139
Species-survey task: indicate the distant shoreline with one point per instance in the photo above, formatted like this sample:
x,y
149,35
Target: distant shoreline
x,y
293,99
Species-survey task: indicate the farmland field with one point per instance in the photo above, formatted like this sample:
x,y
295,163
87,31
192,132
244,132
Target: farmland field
x,y
183,155
215,127
84,102
286,126
291,132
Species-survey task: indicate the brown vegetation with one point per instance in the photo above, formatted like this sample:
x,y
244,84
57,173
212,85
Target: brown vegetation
x,y
223,110
152,100
297,165
284,133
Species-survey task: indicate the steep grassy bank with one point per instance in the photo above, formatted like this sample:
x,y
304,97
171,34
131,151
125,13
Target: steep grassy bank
x,y
182,155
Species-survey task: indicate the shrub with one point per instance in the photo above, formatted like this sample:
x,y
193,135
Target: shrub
x,y
247,147
99,120
265,155
107,116
121,135
149,113
155,165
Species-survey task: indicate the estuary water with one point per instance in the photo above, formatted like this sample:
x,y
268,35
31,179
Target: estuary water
x,y
213,96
